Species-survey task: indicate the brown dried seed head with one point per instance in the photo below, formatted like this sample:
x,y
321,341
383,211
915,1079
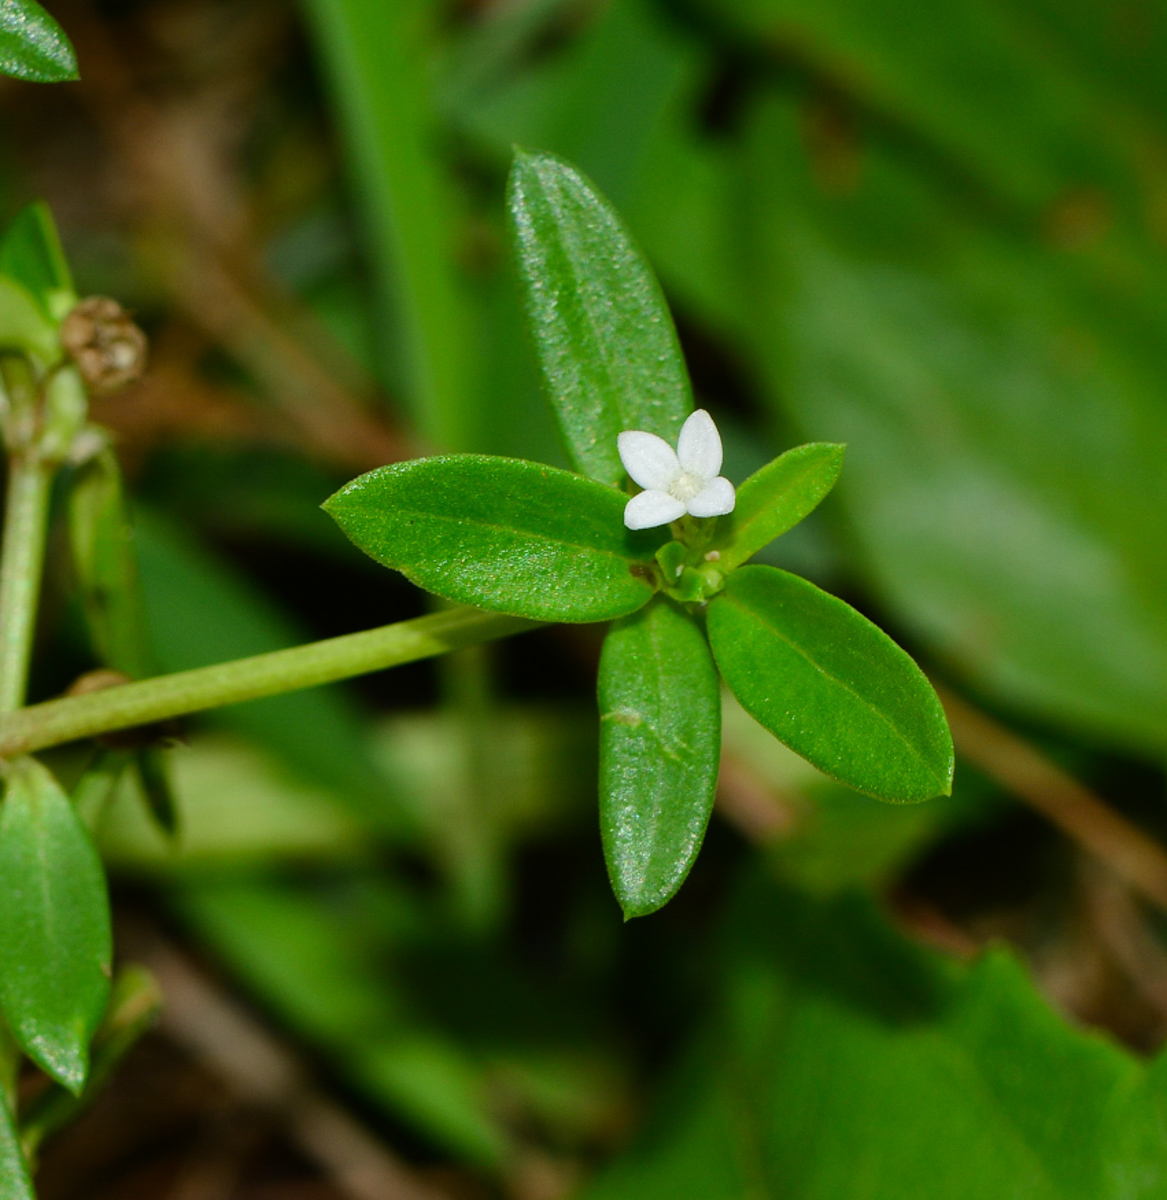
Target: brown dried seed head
x,y
108,348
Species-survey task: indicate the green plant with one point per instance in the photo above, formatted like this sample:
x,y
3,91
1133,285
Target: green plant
x,y
517,541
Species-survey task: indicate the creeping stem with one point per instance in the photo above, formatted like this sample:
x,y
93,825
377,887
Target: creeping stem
x,y
168,696
25,522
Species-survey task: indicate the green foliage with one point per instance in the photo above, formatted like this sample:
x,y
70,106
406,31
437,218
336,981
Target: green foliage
x,y
55,952
775,499
376,61
660,744
32,45
843,1061
502,534
515,537
830,685
31,254
107,568
605,338
15,1181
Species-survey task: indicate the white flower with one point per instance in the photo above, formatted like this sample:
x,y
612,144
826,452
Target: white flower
x,y
676,482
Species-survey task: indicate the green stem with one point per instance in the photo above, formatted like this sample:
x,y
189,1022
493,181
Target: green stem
x,y
169,696
25,526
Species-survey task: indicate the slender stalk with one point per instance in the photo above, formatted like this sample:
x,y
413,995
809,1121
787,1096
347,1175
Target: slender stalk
x,y
25,525
168,696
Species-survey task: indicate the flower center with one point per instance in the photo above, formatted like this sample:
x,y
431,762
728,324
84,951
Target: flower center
x,y
687,486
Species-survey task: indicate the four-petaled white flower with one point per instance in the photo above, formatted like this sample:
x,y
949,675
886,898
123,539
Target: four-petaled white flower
x,y
676,482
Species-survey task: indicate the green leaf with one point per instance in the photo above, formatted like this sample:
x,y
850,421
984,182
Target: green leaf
x,y
156,789
830,685
24,326
503,534
845,1062
31,253
775,499
377,59
107,567
15,1180
32,45
606,342
54,925
660,746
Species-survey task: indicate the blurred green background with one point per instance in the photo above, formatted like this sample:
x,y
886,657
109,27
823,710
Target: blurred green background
x,y
935,233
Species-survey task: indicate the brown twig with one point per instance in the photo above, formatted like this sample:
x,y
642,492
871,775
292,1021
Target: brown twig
x,y
1024,771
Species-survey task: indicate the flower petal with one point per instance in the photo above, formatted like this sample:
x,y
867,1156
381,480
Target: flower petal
x,y
652,508
699,446
714,500
650,460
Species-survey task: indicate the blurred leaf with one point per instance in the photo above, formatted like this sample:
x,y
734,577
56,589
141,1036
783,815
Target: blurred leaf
x,y
324,967
1002,405
609,353
775,499
201,612
836,838
660,745
156,790
502,534
482,788
32,45
979,84
55,943
107,570
846,1062
830,685
31,253
15,1180
376,57
234,807
25,327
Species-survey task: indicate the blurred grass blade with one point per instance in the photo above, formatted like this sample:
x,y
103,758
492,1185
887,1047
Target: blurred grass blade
x,y
660,744
31,253
32,45
156,790
610,356
107,568
830,685
775,499
376,56
502,534
55,943
15,1180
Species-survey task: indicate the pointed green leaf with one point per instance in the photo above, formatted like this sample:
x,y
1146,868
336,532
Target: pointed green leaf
x,y
660,745
15,1180
606,342
32,45
830,685
24,325
54,925
107,568
505,535
776,498
31,253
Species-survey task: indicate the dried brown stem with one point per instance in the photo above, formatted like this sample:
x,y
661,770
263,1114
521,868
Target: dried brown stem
x,y
1024,771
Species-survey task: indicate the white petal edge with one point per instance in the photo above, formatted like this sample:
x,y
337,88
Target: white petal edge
x,y
652,508
699,446
714,500
648,459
